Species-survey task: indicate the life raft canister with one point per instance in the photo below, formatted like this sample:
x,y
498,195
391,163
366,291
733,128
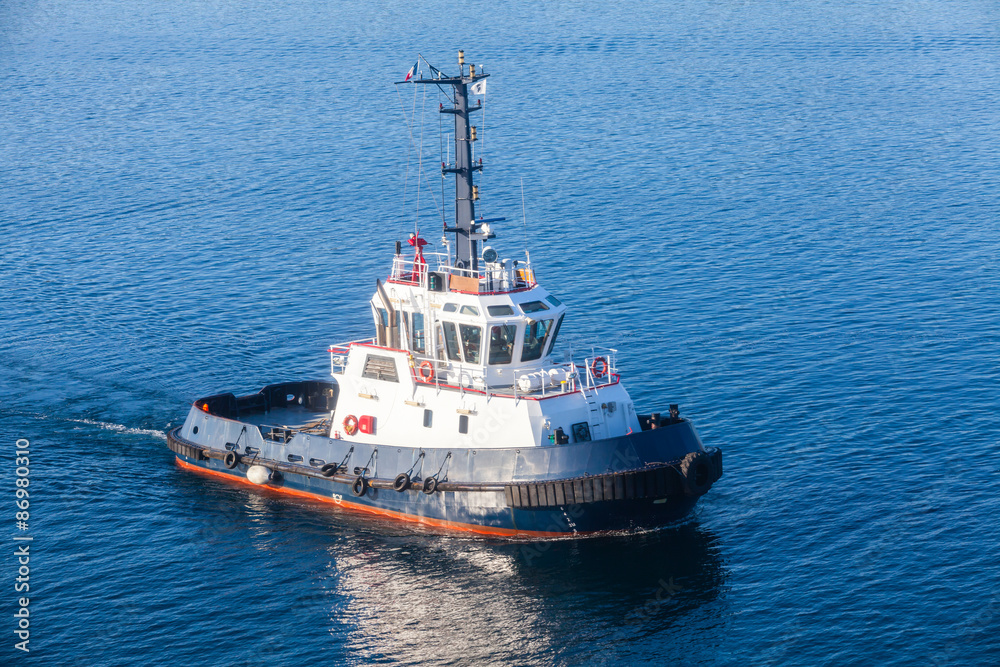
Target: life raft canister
x,y
599,367
350,424
426,371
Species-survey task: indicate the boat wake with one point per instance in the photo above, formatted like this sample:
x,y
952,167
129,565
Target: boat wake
x,y
121,428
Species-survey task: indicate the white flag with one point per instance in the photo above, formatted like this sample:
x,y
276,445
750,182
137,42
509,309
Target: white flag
x,y
479,87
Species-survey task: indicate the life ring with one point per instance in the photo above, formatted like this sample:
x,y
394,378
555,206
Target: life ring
x,y
599,367
359,486
350,424
231,460
426,366
696,469
401,483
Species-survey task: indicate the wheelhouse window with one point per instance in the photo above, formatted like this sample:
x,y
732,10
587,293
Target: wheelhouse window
x,y
534,339
417,343
451,341
533,306
502,337
554,301
450,307
500,311
469,310
555,333
472,342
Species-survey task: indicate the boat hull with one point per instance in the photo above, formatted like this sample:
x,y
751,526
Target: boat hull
x,y
533,499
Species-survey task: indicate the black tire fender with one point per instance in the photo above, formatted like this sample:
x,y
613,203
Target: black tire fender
x,y
401,483
430,485
697,471
231,460
359,486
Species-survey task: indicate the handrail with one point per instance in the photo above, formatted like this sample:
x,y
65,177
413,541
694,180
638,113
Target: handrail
x,y
338,353
493,277
475,377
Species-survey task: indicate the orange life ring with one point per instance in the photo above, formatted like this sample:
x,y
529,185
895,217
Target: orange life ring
x,y
429,367
599,371
350,424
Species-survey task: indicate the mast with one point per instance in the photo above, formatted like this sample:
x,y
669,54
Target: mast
x,y
466,193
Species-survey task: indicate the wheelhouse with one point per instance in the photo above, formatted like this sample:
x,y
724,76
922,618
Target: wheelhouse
x,y
472,328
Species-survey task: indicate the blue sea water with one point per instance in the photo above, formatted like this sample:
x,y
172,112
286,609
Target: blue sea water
x,y
783,214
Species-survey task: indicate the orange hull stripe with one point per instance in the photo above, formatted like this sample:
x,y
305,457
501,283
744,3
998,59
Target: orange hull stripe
x,y
391,514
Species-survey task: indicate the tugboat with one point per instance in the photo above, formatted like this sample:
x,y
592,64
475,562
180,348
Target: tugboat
x,y
460,413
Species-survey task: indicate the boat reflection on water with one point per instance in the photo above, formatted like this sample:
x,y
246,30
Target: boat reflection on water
x,y
394,594
318,580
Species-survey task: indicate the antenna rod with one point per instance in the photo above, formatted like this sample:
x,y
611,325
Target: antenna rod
x,y
524,223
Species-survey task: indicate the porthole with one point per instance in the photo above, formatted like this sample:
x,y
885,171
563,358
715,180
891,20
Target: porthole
x,y
195,430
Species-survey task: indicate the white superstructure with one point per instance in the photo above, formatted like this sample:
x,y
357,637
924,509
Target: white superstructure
x,y
466,359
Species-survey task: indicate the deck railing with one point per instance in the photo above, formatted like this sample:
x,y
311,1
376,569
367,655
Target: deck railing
x,y
577,373
339,352
508,276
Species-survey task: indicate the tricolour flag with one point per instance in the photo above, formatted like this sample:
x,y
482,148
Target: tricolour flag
x,y
413,70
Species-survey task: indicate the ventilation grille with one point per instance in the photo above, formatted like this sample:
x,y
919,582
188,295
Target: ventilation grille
x,y
380,368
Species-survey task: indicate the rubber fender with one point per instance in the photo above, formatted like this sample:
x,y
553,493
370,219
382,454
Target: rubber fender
x,y
716,455
259,475
401,483
697,471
